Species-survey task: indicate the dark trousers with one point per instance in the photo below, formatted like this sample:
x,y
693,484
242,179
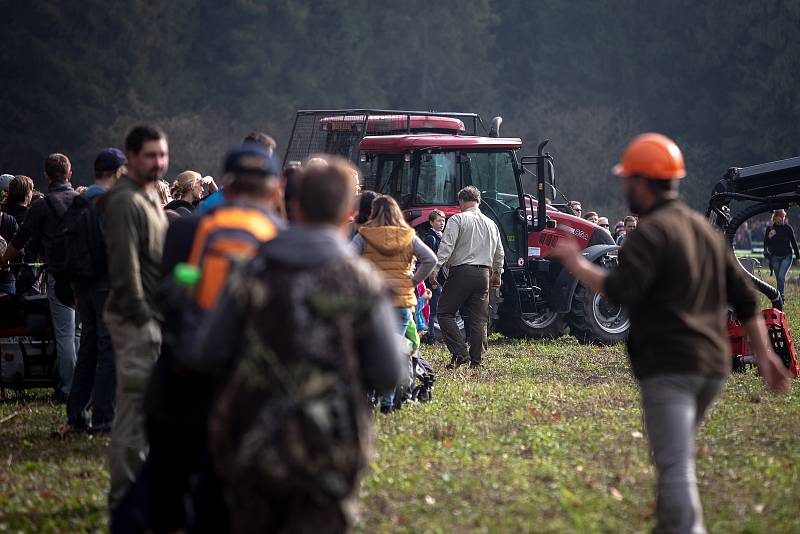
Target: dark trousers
x,y
183,490
436,294
95,378
467,288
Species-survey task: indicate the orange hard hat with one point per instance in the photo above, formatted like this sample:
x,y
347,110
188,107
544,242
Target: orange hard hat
x,y
653,156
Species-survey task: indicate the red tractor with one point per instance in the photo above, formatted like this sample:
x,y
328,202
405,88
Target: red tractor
x,y
422,159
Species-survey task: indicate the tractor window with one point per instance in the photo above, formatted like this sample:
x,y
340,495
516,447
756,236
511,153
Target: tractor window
x,y
493,174
395,179
437,178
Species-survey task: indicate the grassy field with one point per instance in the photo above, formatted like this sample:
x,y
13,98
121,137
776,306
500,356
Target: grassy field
x,y
546,438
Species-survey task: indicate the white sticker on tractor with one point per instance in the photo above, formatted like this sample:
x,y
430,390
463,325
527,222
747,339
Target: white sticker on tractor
x,y
534,252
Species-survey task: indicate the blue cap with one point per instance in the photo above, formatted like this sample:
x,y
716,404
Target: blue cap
x,y
251,158
109,160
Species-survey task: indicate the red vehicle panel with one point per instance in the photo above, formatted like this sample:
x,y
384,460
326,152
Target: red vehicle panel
x,y
395,144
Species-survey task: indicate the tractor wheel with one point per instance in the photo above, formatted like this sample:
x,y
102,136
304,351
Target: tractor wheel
x,y
545,325
594,319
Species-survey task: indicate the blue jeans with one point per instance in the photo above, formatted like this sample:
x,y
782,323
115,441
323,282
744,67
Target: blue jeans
x,y
63,317
436,294
781,266
9,288
403,318
95,375
419,317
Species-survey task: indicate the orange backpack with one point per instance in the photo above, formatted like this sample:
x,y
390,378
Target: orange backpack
x,y
225,235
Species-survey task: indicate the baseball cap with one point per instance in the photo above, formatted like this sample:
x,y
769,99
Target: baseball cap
x,y
109,159
251,158
5,181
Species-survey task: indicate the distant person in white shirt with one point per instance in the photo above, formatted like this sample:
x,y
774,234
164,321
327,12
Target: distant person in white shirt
x,y
472,251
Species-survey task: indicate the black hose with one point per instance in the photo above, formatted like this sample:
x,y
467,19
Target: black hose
x,y
730,234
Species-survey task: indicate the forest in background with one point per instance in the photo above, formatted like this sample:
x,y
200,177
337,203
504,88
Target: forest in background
x,y
720,77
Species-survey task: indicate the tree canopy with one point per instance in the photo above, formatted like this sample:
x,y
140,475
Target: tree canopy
x,y
719,77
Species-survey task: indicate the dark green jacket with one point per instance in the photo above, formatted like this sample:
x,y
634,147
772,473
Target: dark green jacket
x,y
134,226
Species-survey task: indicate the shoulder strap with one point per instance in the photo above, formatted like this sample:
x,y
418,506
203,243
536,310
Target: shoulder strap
x,y
249,220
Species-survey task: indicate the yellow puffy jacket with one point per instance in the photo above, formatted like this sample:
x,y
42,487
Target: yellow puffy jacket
x,y
391,249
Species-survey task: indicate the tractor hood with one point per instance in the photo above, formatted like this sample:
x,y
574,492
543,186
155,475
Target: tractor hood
x,y
389,240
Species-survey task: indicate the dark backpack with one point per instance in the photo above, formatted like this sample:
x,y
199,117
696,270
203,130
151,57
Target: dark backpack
x,y
77,251
292,417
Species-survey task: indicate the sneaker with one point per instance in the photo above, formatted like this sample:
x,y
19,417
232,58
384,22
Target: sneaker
x,y
386,409
456,362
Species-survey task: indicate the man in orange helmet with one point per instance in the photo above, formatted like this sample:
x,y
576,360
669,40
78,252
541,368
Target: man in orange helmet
x,y
676,276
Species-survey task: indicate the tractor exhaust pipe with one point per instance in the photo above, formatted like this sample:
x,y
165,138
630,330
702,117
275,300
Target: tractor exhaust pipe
x,y
494,127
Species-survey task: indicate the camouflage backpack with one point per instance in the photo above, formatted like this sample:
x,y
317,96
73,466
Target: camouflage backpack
x,y
292,417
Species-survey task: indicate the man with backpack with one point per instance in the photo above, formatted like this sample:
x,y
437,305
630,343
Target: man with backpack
x,y
178,398
42,222
134,226
94,378
297,340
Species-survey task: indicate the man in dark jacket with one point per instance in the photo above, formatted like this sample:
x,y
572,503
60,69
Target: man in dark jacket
x,y
309,333
95,375
41,222
179,398
678,344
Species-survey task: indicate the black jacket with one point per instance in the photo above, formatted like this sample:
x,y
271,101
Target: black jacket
x,y
782,243
433,240
43,216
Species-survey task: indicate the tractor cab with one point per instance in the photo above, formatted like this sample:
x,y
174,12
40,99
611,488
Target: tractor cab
x,y
425,172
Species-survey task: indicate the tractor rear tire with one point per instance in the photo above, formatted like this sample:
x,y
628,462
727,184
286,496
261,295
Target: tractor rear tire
x,y
550,325
595,320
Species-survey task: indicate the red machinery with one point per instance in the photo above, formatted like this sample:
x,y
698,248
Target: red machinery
x,y
422,159
765,187
779,335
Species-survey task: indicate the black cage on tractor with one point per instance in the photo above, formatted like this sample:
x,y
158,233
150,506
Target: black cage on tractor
x,y
339,131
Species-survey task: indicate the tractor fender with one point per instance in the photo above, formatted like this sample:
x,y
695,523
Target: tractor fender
x,y
565,284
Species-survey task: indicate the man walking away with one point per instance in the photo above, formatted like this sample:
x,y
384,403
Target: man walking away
x,y
473,252
42,222
134,227
179,397
95,375
678,344
301,337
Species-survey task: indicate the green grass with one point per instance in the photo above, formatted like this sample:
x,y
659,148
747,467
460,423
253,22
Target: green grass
x,y
546,438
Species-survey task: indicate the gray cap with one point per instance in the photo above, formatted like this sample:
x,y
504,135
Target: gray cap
x,y
5,181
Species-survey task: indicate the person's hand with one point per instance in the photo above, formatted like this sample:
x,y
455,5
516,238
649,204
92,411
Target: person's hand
x,y
209,181
566,251
771,233
774,372
432,279
495,281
